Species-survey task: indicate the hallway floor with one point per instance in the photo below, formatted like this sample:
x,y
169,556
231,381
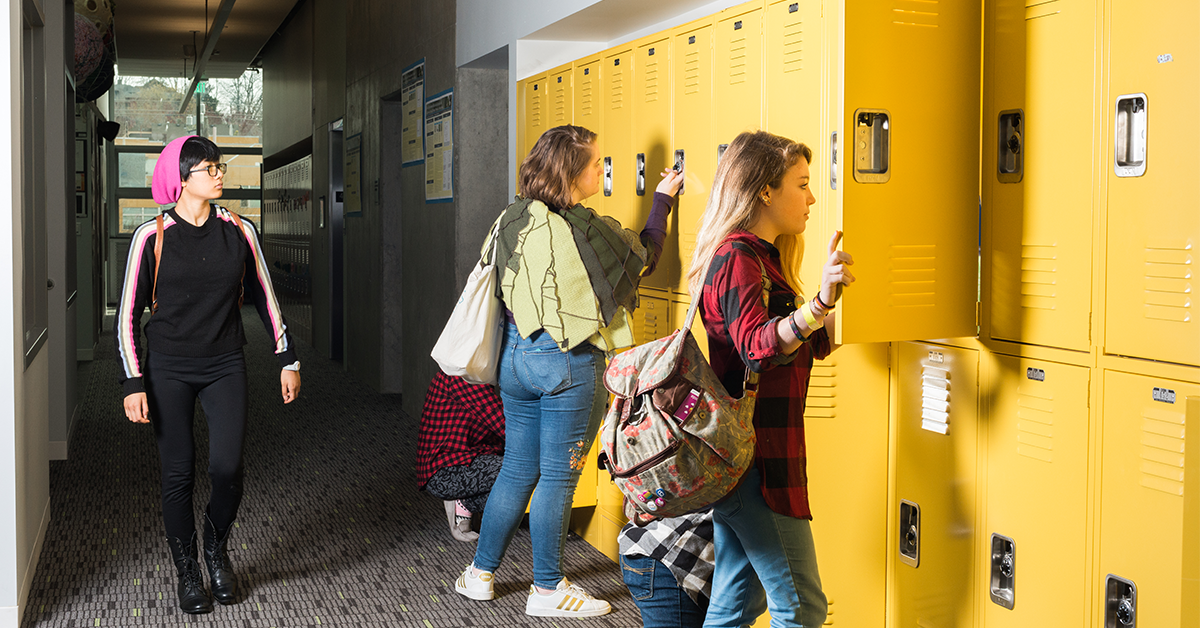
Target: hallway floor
x,y
331,532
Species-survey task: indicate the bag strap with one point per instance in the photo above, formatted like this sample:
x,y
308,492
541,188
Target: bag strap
x,y
237,220
750,382
158,239
493,239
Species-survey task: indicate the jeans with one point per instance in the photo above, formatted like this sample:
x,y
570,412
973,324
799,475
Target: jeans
x,y
662,602
553,404
765,560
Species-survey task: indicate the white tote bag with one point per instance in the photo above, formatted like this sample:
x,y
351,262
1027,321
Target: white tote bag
x,y
469,346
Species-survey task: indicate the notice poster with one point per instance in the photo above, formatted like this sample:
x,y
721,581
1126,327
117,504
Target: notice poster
x,y
353,176
439,148
412,97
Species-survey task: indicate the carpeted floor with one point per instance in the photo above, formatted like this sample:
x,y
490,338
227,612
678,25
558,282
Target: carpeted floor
x,y
332,531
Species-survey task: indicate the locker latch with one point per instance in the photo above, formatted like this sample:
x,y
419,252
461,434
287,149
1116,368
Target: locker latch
x,y
1010,158
1129,140
910,533
608,176
679,166
721,148
872,146
1120,603
1004,571
641,174
833,161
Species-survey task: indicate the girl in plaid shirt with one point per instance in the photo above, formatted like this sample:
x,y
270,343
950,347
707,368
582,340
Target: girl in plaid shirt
x,y
757,211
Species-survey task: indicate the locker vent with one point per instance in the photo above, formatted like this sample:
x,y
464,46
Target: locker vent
x,y
822,390
1035,422
617,85
793,44
1162,450
535,111
651,79
1039,265
1044,8
1168,294
913,275
691,72
923,13
737,59
586,96
560,103
935,399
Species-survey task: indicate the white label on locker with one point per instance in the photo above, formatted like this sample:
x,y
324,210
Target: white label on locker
x,y
936,357
1037,375
934,426
1167,58
1165,395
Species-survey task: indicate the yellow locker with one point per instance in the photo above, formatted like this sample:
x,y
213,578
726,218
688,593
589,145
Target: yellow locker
x,y
652,318
561,96
521,124
537,110
932,539
737,90
846,434
586,101
1038,176
909,190
616,94
1148,455
693,145
651,142
1034,547
1153,226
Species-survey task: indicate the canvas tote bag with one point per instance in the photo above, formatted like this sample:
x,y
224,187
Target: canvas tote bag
x,y
469,346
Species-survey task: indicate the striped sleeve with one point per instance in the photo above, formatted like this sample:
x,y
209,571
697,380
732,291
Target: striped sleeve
x,y
136,292
259,289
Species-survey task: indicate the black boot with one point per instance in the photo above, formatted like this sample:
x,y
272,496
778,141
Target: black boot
x,y
192,596
220,571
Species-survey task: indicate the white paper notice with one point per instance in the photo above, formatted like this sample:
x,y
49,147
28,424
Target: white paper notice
x,y
439,148
412,98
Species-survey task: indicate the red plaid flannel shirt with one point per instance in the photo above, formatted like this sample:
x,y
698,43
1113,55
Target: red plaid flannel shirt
x,y
741,332
460,420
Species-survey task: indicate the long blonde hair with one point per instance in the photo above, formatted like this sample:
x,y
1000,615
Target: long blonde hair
x,y
753,162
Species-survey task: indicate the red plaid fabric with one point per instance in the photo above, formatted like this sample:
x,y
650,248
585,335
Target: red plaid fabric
x,y
459,421
741,332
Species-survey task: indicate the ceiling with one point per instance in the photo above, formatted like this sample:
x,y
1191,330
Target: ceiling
x,y
155,37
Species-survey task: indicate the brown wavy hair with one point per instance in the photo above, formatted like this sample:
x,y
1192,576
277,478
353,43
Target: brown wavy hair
x,y
558,158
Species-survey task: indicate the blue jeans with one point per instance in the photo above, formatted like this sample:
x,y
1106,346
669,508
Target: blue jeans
x,y
662,602
765,561
553,404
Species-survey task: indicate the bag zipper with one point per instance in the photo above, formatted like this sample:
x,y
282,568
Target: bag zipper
x,y
649,462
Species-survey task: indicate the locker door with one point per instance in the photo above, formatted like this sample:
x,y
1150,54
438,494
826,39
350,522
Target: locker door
x,y
652,150
616,94
522,123
1040,205
537,111
933,538
652,318
1037,468
911,168
693,89
737,89
795,61
846,433
561,108
586,100
1142,479
1153,225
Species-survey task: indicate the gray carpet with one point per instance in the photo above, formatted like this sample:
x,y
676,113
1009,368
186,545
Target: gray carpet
x,y
332,531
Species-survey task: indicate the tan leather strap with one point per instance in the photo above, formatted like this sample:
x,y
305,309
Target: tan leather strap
x,y
158,238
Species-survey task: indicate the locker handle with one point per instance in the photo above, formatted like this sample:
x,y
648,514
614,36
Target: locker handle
x,y
1120,603
872,146
641,174
679,167
833,161
1003,585
608,176
910,533
1129,138
1010,158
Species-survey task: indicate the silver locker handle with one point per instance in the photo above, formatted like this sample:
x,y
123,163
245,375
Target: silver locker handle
x,y
1120,603
641,174
1129,137
1010,146
910,533
872,146
1003,588
679,166
833,161
608,176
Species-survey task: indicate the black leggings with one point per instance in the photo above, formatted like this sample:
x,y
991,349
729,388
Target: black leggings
x,y
172,385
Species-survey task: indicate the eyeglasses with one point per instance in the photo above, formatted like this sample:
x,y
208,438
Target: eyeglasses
x,y
212,169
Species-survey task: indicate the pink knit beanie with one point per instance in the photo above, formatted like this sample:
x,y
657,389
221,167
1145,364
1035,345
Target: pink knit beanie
x,y
166,184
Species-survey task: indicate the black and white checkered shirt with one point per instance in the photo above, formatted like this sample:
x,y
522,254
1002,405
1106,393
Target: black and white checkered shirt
x,y
684,544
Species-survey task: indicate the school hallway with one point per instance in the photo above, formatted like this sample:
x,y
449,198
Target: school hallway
x,y
332,530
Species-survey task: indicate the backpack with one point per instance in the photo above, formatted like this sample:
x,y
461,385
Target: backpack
x,y
158,244
674,440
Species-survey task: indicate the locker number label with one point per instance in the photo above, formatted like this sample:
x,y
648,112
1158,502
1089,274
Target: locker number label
x,y
1167,58
1165,395
936,357
1037,375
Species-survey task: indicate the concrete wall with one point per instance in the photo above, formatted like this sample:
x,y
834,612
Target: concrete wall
x,y
287,83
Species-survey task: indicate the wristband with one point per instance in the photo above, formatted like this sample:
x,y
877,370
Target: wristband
x,y
828,308
796,328
813,323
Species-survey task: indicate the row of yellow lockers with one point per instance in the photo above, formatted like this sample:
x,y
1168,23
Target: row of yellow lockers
x,y
1081,229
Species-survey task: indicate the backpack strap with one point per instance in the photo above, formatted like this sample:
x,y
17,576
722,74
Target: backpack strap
x,y
750,382
237,220
158,243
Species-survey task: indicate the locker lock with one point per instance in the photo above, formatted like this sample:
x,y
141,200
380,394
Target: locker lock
x,y
1003,583
1120,603
910,533
1010,162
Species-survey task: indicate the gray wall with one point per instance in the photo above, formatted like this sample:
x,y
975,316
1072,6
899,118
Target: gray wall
x,y
288,83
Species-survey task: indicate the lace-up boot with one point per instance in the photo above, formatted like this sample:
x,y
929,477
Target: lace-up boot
x,y
220,570
193,599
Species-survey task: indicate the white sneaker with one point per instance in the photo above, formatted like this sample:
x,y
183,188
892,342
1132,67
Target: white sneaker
x,y
475,587
568,600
